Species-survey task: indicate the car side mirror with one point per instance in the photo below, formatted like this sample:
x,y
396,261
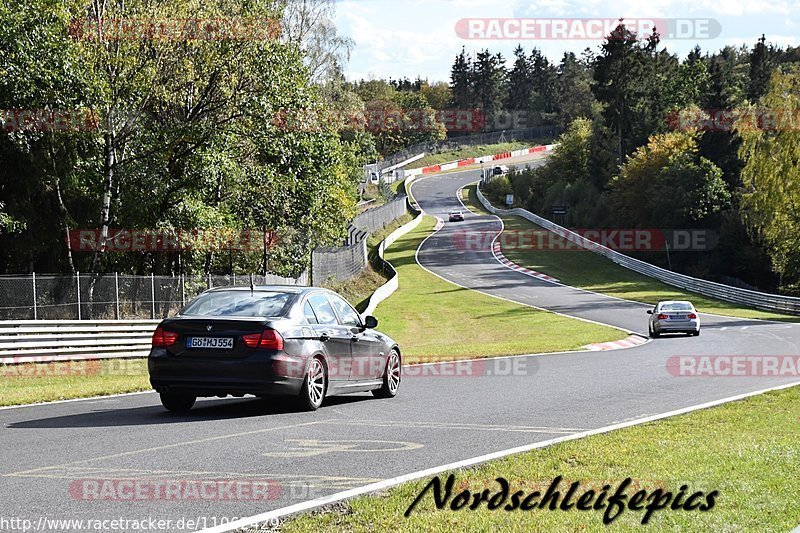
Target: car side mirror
x,y
649,311
370,322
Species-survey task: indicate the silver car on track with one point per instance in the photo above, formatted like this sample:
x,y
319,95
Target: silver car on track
x,y
673,317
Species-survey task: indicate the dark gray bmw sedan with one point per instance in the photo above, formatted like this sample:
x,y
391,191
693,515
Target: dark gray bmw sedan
x,y
303,342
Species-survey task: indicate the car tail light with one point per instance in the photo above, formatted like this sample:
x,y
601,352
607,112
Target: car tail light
x,y
162,337
662,316
692,316
268,339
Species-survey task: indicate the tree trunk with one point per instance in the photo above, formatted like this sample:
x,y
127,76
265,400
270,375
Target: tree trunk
x,y
105,211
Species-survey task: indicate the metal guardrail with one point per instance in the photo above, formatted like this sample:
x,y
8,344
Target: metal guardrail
x,y
386,290
39,341
756,299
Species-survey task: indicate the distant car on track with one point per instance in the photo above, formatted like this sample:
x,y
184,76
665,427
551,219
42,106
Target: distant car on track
x,y
303,342
673,317
456,216
500,170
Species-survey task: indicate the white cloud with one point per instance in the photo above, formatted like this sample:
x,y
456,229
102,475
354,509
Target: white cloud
x,y
397,38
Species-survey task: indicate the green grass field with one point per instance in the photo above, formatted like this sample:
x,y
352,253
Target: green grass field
x,y
47,382
590,271
358,290
431,318
475,151
746,450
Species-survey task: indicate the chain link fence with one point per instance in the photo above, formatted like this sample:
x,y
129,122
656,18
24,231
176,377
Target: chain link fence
x,y
377,218
111,296
334,265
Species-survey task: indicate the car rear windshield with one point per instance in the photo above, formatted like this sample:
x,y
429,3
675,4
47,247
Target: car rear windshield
x,y
239,303
676,307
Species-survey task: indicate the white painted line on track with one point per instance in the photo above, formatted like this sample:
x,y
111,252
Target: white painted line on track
x,y
416,258
388,483
556,282
71,400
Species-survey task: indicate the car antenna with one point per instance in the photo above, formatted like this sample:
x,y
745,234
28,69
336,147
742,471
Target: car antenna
x,y
252,287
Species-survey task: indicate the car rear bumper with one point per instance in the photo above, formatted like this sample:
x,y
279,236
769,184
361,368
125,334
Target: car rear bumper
x,y
205,376
664,326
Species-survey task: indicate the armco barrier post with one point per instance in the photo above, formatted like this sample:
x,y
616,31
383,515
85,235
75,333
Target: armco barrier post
x,y
33,278
152,296
183,290
78,285
116,295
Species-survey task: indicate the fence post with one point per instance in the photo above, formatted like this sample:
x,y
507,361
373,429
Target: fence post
x,y
234,278
34,295
78,283
183,290
152,296
116,295
208,281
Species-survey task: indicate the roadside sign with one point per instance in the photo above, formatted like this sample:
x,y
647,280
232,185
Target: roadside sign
x,y
509,199
559,210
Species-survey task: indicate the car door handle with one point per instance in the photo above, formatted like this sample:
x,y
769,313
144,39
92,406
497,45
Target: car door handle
x,y
324,337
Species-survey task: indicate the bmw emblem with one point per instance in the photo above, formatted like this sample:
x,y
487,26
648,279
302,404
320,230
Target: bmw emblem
x,y
209,327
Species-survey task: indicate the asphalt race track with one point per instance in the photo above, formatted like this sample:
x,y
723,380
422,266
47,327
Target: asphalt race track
x,y
52,453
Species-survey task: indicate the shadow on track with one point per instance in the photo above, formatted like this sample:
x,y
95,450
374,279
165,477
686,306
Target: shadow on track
x,y
219,409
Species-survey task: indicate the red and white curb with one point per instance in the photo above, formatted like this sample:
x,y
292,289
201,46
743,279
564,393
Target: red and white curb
x,y
483,159
498,254
630,342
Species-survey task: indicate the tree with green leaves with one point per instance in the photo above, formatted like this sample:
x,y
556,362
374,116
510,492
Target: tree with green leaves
x,y
461,82
489,83
574,97
771,174
666,183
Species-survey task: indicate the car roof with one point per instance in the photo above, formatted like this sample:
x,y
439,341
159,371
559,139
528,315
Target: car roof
x,y
293,289
664,302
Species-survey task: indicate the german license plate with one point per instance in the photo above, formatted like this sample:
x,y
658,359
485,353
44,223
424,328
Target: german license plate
x,y
214,343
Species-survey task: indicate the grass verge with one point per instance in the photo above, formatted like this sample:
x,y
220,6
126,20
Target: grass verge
x,y
358,290
474,151
746,450
47,382
433,319
587,270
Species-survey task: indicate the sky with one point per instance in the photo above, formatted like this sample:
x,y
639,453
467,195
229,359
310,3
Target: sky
x,y
407,38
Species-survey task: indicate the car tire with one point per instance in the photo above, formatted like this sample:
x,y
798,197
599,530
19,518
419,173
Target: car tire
x,y
179,403
315,385
696,333
391,377
655,334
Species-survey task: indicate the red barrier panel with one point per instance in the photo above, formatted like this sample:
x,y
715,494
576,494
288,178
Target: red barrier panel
x,y
466,162
432,168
